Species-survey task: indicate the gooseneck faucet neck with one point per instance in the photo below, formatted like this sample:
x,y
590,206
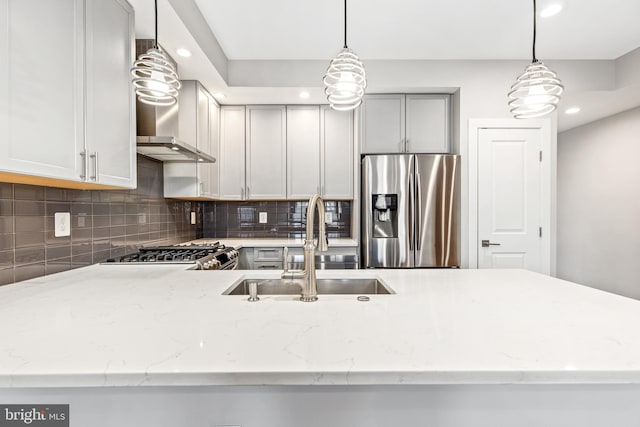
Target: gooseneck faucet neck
x,y
316,202
308,274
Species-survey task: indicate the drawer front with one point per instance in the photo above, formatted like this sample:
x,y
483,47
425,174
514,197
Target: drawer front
x,y
267,265
268,254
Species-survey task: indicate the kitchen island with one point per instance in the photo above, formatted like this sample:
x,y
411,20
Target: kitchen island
x,y
160,345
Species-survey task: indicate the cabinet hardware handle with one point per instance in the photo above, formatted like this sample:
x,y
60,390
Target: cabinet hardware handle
x,y
94,157
486,244
242,193
83,175
248,192
406,145
202,188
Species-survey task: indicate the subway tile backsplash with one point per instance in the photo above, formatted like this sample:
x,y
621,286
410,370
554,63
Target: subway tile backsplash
x,y
104,224
285,219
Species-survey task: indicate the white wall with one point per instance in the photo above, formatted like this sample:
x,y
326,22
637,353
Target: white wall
x,y
599,204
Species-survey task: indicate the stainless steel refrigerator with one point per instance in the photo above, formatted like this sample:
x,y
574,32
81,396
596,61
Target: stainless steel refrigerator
x,y
408,211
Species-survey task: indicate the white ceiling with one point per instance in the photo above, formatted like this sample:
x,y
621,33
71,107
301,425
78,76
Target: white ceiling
x,y
306,30
422,29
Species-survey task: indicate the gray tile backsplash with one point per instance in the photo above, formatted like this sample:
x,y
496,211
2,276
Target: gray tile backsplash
x,y
285,219
104,223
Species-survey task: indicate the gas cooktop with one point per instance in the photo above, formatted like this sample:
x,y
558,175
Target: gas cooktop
x,y
206,257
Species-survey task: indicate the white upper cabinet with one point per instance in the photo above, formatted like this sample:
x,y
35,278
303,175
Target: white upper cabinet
x,y
336,136
67,114
427,124
406,124
214,141
266,167
291,152
42,111
303,151
110,102
232,152
198,120
382,124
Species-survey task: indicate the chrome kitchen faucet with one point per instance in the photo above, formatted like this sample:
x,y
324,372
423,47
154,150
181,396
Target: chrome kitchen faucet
x,y
308,272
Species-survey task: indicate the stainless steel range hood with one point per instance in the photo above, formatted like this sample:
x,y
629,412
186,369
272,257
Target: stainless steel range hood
x,y
158,130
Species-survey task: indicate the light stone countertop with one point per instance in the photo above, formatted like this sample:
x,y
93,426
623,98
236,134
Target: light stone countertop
x,y
127,325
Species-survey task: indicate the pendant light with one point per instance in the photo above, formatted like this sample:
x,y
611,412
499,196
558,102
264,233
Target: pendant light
x,y
537,91
155,78
345,79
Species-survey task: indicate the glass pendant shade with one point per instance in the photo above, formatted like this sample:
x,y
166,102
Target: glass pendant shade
x,y
535,93
155,78
345,81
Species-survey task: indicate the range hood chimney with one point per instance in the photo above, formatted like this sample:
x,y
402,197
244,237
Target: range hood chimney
x,y
158,129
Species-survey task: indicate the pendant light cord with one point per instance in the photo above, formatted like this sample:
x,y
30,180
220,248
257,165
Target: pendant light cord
x,y
534,32
155,40
345,24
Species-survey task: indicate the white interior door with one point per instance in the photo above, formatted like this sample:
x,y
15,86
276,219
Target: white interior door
x,y
511,200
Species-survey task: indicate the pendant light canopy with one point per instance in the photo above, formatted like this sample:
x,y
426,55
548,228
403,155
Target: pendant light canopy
x,y
537,91
345,79
155,77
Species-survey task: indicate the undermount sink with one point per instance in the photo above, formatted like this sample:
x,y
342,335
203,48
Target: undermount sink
x,y
356,286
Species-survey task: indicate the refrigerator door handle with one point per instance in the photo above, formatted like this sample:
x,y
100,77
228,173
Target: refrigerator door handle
x,y
418,211
412,195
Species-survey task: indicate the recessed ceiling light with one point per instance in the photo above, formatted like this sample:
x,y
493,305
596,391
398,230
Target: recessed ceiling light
x,y
183,52
552,9
572,110
304,94
219,95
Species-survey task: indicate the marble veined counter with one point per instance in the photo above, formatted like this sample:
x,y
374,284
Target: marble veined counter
x,y
128,325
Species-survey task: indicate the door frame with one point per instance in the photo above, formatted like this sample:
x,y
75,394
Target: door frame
x,y
548,147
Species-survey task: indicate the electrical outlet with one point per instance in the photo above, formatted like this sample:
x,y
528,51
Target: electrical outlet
x,y
328,217
82,220
62,222
262,218
193,218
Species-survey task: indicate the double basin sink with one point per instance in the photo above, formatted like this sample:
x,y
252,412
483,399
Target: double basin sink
x,y
353,286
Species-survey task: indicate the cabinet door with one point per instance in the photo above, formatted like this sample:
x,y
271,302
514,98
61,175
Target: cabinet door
x,y
266,153
41,88
232,148
382,124
337,153
110,125
214,144
303,151
427,123
203,141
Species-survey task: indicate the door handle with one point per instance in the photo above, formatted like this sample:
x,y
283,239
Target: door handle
x,y
486,244
419,212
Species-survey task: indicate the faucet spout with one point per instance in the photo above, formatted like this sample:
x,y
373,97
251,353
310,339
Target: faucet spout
x,y
310,290
316,202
